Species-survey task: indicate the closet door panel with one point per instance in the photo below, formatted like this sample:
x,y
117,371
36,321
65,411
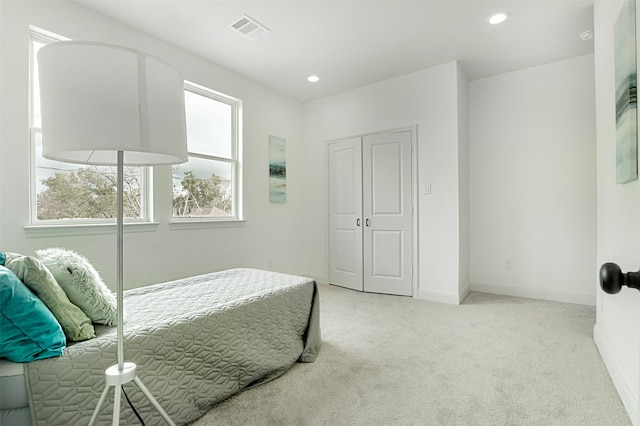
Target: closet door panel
x,y
387,210
345,214
387,249
386,179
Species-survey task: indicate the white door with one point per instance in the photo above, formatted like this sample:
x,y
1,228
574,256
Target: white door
x,y
345,213
387,209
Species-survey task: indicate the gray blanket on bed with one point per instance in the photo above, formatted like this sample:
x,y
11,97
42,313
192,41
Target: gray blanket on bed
x,y
196,341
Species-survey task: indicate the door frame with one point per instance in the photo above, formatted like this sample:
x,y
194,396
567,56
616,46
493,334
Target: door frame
x,y
413,130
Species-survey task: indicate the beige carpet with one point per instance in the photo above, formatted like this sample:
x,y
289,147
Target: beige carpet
x,y
386,360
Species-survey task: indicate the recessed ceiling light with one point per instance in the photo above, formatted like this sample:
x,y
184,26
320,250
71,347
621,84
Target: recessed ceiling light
x,y
313,79
498,18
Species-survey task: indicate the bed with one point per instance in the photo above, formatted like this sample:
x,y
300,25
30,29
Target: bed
x,y
196,341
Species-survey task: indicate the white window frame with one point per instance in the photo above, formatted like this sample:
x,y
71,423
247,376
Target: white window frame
x,y
73,226
236,217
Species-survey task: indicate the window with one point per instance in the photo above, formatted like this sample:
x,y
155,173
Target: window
x,y
207,186
74,193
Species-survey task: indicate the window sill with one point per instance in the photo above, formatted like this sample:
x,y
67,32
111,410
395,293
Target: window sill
x,y
204,224
64,230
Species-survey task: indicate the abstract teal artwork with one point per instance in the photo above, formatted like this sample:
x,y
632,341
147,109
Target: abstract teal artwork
x,y
277,170
626,94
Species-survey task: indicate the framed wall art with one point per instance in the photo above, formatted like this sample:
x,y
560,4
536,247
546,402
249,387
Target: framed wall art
x,y
626,97
277,170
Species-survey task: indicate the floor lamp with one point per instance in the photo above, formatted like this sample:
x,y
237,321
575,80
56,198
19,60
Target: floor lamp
x,y
109,105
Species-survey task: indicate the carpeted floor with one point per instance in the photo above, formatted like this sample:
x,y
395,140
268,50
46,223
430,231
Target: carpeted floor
x,y
387,360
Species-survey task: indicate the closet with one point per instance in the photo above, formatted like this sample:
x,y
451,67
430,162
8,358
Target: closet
x,y
370,213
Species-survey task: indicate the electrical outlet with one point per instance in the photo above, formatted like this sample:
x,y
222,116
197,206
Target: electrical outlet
x,y
508,264
269,262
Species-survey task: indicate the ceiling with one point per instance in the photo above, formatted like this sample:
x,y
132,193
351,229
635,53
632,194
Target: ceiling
x,y
350,44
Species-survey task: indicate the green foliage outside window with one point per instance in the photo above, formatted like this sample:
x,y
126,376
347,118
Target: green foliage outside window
x,y
202,197
89,193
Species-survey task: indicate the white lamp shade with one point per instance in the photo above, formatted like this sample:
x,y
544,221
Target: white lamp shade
x,y
97,99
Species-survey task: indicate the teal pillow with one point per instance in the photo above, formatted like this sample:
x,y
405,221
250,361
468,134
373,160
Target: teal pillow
x,y
75,324
3,258
28,329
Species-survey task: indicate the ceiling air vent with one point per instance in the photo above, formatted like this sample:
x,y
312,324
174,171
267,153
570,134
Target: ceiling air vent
x,y
249,27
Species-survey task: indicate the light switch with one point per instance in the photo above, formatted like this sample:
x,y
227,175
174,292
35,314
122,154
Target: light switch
x,y
427,189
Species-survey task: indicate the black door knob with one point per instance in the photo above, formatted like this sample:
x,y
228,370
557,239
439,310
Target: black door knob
x,y
612,278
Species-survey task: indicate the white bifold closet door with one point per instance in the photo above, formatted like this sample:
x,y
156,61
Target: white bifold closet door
x,y
370,213
345,214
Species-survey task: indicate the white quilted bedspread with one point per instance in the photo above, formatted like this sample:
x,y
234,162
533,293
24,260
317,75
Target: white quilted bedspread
x,y
196,341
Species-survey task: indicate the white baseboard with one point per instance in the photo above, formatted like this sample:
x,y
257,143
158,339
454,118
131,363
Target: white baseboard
x,y
439,296
320,279
629,399
464,292
535,293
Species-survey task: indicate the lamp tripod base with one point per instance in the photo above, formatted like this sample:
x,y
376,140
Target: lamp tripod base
x,y
116,378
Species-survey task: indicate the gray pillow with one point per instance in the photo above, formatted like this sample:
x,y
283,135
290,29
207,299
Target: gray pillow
x,y
75,324
82,283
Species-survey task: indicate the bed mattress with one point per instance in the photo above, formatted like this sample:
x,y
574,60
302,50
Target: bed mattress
x,y
196,341
14,403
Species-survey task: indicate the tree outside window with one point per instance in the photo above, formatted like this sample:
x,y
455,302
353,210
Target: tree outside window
x,y
65,191
204,187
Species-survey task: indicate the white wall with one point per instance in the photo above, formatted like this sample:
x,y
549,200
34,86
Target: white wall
x,y
617,329
533,182
163,253
463,183
428,99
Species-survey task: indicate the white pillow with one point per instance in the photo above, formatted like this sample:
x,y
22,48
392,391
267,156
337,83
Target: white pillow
x,y
82,284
